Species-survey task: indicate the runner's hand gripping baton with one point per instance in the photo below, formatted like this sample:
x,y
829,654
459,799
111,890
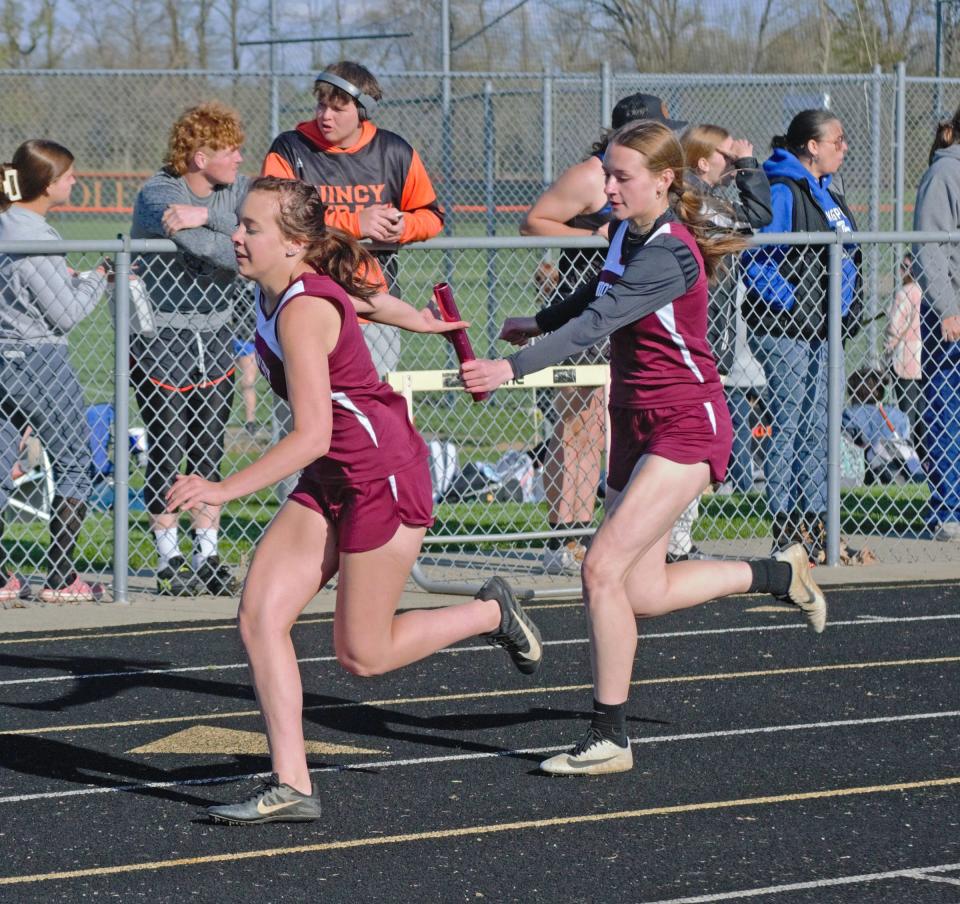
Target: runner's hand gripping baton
x,y
458,338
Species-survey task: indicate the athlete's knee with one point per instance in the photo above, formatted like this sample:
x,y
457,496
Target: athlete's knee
x,y
364,663
258,621
599,574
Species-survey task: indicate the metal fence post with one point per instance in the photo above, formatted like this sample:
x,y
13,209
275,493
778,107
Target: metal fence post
x,y
836,380
547,130
490,203
900,143
873,294
121,443
606,94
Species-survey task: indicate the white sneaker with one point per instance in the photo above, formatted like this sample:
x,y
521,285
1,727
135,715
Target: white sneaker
x,y
803,590
948,530
565,560
592,756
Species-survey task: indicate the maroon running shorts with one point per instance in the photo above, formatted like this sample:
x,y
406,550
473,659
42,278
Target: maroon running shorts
x,y
686,434
366,515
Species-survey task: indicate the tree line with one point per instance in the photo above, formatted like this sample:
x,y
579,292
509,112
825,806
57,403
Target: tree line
x,y
761,36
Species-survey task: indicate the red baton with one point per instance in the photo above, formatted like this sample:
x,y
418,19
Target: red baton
x,y
458,338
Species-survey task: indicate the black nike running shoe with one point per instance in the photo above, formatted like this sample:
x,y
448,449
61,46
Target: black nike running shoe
x,y
517,633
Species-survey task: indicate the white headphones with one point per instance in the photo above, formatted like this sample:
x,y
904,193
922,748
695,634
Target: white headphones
x,y
364,100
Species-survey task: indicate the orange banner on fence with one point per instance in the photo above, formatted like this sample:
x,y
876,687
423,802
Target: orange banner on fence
x,y
115,193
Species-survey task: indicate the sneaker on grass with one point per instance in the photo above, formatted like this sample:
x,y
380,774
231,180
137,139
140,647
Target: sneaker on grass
x,y
517,634
272,801
803,591
594,755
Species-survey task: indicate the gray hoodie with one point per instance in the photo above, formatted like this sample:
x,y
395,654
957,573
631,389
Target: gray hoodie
x,y
40,300
938,210
194,289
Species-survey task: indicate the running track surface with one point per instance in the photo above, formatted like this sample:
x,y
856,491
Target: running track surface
x,y
772,765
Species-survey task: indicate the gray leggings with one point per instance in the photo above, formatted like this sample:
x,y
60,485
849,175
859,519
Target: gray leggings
x,y
39,387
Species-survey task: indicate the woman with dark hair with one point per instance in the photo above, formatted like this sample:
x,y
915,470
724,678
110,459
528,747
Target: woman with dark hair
x,y
671,433
363,502
787,316
938,271
41,300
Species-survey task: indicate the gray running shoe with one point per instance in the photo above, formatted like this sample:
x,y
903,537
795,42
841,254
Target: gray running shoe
x,y
594,755
803,591
517,634
273,801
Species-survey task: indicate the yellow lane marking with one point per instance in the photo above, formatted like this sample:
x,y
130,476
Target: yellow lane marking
x,y
481,695
439,834
207,739
231,626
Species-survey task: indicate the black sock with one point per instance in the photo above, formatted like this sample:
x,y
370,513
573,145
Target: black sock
x,y
770,576
610,721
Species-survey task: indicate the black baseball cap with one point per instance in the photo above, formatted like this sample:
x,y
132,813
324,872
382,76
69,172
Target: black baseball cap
x,y
643,106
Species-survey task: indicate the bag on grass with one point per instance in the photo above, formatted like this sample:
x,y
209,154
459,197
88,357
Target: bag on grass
x,y
444,466
520,477
477,480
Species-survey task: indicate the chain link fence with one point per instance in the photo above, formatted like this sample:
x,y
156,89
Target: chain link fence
x,y
491,142
852,446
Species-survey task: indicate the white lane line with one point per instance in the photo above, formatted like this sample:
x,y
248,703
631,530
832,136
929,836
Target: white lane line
x,y
485,755
920,874
859,622
804,886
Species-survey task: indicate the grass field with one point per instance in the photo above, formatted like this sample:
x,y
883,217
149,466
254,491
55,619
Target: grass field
x,y
890,511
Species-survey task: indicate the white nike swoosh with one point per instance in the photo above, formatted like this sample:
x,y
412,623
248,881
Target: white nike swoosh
x,y
535,651
266,809
596,761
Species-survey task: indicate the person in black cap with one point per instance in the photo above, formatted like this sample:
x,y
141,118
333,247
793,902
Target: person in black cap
x,y
373,183
644,106
576,204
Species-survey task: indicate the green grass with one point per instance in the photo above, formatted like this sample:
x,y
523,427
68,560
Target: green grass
x,y
897,511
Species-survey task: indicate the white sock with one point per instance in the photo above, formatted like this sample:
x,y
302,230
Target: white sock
x,y
204,544
167,544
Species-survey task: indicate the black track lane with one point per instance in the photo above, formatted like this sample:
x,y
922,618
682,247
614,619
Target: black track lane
x,y
639,858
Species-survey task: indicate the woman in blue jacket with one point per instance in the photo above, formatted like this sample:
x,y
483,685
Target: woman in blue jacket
x,y
787,316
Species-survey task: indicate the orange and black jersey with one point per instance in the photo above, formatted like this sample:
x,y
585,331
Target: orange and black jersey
x,y
381,168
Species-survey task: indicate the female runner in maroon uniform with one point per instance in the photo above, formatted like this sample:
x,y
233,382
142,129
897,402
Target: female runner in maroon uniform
x,y
671,432
363,503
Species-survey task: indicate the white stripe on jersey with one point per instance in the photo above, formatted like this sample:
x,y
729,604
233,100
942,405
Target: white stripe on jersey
x,y
270,335
711,415
343,399
668,319
393,487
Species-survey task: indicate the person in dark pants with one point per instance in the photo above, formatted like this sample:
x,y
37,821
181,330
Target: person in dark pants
x,y
41,300
938,203
182,372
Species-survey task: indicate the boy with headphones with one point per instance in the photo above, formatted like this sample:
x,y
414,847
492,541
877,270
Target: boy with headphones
x,y
373,182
